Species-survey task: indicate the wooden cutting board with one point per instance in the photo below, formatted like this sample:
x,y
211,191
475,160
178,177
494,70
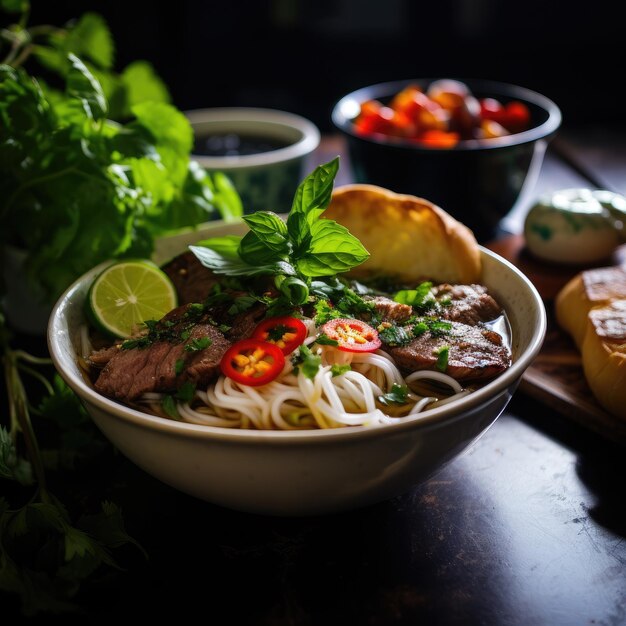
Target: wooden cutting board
x,y
556,376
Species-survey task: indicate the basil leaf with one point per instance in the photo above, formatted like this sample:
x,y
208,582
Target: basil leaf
x,y
225,246
253,250
333,250
312,198
270,229
299,232
236,267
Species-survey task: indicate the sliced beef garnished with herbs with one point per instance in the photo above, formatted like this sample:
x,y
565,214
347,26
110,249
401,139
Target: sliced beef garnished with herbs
x,y
467,353
469,304
388,310
186,346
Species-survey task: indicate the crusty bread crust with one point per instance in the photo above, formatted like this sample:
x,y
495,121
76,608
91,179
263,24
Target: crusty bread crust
x,y
592,309
590,288
407,237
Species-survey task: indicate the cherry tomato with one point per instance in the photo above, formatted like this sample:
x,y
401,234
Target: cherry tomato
x,y
352,335
517,117
252,362
439,139
286,332
446,113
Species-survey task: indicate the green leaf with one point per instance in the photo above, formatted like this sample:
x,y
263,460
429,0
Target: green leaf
x,y
442,358
338,370
308,362
397,395
254,251
197,344
270,230
332,250
236,267
225,196
226,246
314,192
421,298
324,340
108,527
242,304
143,84
167,125
81,84
395,336
90,37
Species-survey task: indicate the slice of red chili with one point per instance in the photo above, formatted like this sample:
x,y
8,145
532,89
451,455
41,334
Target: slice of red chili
x,y
352,335
253,362
286,332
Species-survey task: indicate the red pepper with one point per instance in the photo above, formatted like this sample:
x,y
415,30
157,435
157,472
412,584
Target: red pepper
x,y
352,335
253,362
286,332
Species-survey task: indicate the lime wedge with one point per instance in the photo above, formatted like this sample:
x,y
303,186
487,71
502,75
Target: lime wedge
x,y
128,293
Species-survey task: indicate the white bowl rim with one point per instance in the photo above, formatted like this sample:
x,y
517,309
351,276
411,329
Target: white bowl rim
x,y
428,418
309,141
544,130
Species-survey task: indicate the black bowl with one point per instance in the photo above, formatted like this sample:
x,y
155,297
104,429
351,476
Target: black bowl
x,y
477,181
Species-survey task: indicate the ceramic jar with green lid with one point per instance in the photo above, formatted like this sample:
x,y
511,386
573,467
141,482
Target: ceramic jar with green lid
x,y
576,226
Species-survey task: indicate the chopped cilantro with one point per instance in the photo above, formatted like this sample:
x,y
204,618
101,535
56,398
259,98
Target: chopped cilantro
x,y
195,345
397,395
395,336
442,358
179,366
324,340
338,370
186,392
169,406
420,328
307,362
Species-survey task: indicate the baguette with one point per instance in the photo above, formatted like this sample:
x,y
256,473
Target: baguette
x,y
592,309
408,238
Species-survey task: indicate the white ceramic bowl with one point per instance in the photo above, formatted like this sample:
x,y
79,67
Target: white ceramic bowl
x,y
265,181
303,472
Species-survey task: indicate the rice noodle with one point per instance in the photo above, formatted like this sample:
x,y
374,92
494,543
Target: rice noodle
x,y
294,402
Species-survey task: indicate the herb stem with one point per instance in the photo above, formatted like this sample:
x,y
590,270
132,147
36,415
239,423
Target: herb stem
x,y
35,374
20,419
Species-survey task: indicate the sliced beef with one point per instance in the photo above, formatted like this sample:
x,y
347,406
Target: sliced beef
x,y
469,304
192,280
153,367
390,311
474,353
100,358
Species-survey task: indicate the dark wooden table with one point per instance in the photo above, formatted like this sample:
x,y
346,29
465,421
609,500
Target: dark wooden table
x,y
527,527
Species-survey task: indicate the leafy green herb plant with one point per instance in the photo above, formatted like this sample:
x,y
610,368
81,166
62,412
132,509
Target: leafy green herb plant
x,y
77,187
293,252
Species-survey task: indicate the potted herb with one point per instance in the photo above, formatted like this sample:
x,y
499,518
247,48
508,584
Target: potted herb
x,y
96,169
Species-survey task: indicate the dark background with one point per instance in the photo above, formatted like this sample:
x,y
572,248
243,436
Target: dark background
x,y
303,55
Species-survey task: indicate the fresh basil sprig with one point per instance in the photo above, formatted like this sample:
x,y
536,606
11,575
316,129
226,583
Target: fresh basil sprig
x,y
294,252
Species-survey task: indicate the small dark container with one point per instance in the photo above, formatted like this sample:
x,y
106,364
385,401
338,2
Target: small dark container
x,y
477,181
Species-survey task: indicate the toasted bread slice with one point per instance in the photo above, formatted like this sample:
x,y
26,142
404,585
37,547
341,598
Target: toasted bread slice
x,y
408,238
596,287
604,356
